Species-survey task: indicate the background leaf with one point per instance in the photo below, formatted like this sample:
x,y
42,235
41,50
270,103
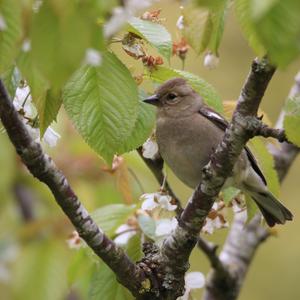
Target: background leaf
x,y
110,217
266,163
292,120
134,248
229,193
243,12
204,24
147,225
278,27
59,39
48,108
103,104
11,78
104,286
143,125
154,33
203,88
197,27
40,272
10,13
37,83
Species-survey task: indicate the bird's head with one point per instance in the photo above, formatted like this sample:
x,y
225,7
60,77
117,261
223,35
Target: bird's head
x,y
175,97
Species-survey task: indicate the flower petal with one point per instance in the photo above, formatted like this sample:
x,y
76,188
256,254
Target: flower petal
x,y
194,280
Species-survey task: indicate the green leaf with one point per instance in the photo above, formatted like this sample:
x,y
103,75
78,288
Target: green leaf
x,y
266,162
10,13
104,286
134,248
103,104
278,27
59,38
243,12
110,217
148,226
154,33
252,208
37,83
11,78
48,108
218,16
143,126
292,120
197,27
203,88
229,193
40,272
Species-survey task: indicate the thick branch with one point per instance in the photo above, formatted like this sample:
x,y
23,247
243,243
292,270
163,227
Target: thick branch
x,y
243,241
43,168
177,248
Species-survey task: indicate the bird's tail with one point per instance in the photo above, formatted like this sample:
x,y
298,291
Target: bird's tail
x,y
272,209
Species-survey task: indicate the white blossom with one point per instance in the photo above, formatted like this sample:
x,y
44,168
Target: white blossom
x,y
211,61
193,280
212,224
22,94
26,46
165,203
149,201
125,232
215,220
93,57
180,23
150,149
154,200
165,226
51,137
3,25
74,241
33,132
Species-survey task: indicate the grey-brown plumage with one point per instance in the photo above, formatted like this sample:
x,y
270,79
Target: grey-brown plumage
x,y
187,133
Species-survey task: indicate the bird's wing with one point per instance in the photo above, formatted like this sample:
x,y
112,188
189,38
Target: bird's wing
x,y
222,123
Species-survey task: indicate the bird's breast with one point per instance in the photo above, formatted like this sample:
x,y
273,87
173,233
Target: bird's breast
x,y
186,144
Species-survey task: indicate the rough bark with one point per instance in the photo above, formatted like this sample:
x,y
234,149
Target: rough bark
x,y
243,241
177,247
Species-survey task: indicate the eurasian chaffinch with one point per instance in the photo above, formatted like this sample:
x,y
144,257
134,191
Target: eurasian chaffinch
x,y
188,131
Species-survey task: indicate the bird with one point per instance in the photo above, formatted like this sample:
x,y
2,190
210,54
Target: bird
x,y
188,132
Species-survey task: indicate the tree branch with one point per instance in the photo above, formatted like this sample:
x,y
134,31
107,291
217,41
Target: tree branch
x,y
243,241
177,247
43,168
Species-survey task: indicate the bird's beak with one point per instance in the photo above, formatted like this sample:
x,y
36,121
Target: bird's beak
x,y
154,100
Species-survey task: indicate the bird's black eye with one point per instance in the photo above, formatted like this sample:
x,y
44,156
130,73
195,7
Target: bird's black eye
x,y
171,96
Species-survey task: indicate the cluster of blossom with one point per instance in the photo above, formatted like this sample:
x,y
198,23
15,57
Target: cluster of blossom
x,y
215,219
23,104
